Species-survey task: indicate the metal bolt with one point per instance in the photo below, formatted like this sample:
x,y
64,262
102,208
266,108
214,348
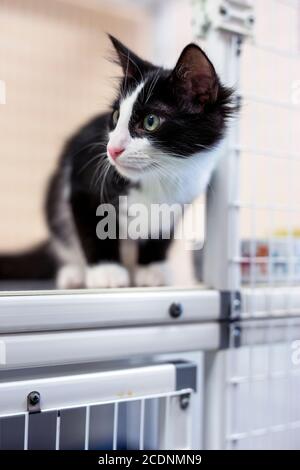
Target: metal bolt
x,y
223,11
34,398
184,401
175,310
238,100
237,336
236,304
237,331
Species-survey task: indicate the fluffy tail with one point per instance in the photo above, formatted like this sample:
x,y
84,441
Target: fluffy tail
x,y
34,264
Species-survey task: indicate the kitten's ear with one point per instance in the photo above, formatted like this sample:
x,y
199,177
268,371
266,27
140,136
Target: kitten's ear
x,y
195,79
132,65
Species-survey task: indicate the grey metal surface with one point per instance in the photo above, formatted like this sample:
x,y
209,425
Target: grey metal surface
x,y
186,375
91,309
37,349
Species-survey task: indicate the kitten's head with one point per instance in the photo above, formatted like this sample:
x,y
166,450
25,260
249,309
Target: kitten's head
x,y
161,115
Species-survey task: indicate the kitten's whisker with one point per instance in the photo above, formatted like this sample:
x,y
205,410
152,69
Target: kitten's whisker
x,y
102,188
151,86
96,157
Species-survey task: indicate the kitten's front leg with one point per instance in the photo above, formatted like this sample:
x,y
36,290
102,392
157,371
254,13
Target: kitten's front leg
x,y
70,276
106,274
105,268
102,275
102,269
153,268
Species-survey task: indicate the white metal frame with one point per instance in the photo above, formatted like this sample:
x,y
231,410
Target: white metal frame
x,y
40,349
75,390
51,329
108,308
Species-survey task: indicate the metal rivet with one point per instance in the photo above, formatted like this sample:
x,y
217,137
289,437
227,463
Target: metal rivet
x,y
34,398
184,401
237,332
33,402
175,310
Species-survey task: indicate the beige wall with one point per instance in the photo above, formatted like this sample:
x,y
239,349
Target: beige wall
x,y
52,59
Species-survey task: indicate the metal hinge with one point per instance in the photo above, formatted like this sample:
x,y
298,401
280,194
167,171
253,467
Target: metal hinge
x,y
234,16
230,316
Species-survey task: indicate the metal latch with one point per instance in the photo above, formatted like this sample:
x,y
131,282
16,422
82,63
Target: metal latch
x,y
235,16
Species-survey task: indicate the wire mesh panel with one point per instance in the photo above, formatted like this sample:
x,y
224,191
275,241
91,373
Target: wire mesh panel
x,y
261,367
269,147
263,385
62,412
144,424
253,205
262,373
252,387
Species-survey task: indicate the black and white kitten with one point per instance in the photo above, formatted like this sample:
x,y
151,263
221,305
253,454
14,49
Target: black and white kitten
x,y
158,144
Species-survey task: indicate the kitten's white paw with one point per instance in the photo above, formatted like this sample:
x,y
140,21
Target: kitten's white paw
x,y
153,275
70,277
107,275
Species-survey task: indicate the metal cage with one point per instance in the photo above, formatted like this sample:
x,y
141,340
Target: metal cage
x,y
244,324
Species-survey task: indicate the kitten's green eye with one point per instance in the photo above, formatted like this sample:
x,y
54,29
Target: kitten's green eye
x,y
115,117
151,122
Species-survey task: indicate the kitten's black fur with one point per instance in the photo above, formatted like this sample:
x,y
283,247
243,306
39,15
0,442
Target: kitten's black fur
x,y
195,107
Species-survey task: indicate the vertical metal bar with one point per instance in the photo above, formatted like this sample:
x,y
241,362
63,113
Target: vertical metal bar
x,y
231,390
57,436
115,430
87,427
288,384
164,427
215,400
167,425
142,425
291,252
269,385
26,429
222,243
190,424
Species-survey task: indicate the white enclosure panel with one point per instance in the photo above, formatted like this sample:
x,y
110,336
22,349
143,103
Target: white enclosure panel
x,y
128,408
71,391
268,381
107,344
252,389
267,301
107,308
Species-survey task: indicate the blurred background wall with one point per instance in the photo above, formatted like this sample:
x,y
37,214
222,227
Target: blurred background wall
x,y
53,61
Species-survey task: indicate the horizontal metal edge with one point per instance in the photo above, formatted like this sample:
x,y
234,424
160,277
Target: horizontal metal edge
x,y
39,349
267,332
49,312
270,302
68,391
186,375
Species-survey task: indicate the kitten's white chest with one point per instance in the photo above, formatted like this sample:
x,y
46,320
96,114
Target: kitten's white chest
x,y
188,178
137,213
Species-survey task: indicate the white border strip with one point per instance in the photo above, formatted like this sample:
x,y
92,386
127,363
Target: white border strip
x,y
25,313
40,349
84,390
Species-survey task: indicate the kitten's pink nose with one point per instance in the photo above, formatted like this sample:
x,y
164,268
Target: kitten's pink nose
x,y
115,152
